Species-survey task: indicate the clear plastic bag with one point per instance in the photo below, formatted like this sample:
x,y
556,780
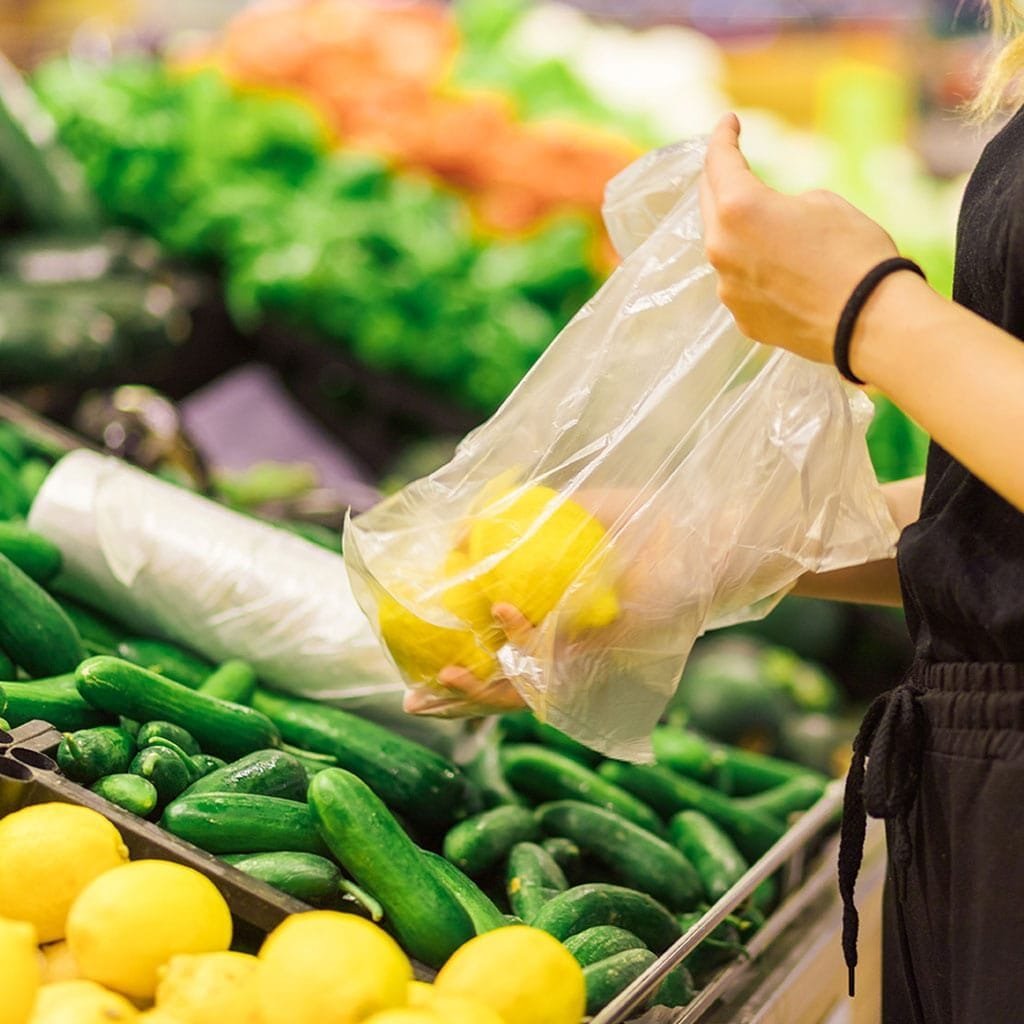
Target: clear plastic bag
x,y
655,475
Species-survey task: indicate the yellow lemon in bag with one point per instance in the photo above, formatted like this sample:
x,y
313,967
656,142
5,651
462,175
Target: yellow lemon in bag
x,y
81,1002
210,988
60,964
543,543
19,971
48,854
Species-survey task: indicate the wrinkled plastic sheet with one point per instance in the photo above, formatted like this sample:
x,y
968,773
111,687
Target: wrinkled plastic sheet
x,y
720,469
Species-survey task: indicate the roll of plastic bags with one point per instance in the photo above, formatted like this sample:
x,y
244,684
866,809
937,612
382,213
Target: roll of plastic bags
x,y
173,564
654,476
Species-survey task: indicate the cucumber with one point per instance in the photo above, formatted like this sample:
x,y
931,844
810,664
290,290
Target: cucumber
x,y
166,659
14,501
796,795
237,822
5,727
32,475
312,763
607,978
677,989
746,773
714,855
523,727
34,629
168,731
89,754
566,854
547,775
55,700
33,554
417,782
370,844
206,763
633,855
753,833
720,947
131,792
601,942
473,900
266,772
233,680
684,752
586,906
532,878
99,634
8,670
194,771
485,770
306,876
479,843
221,728
166,769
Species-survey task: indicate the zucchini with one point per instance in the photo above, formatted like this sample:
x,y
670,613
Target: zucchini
x,y
206,763
8,670
417,782
89,754
714,855
754,833
548,775
684,752
166,659
233,680
131,792
99,634
532,879
479,843
796,795
34,629
168,770
370,844
266,772
168,731
566,854
485,770
607,978
55,700
237,822
741,772
586,906
633,855
473,900
306,876
601,942
121,688
33,554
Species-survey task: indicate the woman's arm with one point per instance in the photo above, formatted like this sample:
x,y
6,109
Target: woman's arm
x,y
787,265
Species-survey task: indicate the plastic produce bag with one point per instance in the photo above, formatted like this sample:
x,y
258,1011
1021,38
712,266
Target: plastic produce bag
x,y
654,476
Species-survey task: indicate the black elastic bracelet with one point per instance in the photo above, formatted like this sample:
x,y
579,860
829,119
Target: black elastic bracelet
x,y
854,305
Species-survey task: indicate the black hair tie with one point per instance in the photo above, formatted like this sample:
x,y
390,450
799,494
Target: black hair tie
x,y
854,305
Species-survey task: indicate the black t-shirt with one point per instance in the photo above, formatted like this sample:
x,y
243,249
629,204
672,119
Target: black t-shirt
x,y
962,563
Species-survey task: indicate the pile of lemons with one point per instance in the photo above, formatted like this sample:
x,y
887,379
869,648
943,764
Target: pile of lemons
x,y
88,937
528,548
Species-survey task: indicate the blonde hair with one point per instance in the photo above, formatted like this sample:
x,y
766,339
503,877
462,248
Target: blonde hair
x,y
1002,83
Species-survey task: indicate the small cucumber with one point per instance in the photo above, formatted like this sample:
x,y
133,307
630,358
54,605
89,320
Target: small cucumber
x,y
684,752
121,688
607,978
194,771
33,554
479,843
311,763
206,763
745,772
165,768
532,878
169,731
305,876
714,855
566,854
370,844
486,771
721,946
32,475
418,783
780,802
89,754
166,659
54,700
266,772
233,680
473,900
677,989
99,634
601,942
8,670
547,775
754,833
523,727
34,630
236,822
585,906
132,792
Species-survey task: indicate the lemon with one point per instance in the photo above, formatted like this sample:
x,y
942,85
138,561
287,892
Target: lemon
x,y
453,1009
324,967
405,1016
210,988
48,854
81,1002
157,1016
525,975
420,994
19,971
543,543
60,964
130,921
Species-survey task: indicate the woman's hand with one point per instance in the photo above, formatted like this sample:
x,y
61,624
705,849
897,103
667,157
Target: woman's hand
x,y
786,264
